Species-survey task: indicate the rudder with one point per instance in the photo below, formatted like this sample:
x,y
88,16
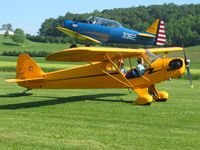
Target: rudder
x,y
158,29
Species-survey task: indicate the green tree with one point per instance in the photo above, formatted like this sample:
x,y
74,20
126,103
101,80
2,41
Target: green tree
x,y
3,26
19,36
6,35
7,27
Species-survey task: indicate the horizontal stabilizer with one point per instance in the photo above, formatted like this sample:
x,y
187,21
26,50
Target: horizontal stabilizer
x,y
147,35
78,36
27,70
22,80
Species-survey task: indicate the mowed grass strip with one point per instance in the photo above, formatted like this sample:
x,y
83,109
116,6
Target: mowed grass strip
x,y
11,66
98,119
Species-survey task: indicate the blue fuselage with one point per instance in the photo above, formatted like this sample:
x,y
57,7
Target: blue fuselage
x,y
104,33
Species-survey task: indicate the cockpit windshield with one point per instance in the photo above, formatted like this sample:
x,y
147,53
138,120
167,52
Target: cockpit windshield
x,y
150,56
104,22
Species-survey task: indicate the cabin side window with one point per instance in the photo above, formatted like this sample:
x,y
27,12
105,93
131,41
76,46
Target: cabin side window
x,y
130,67
125,65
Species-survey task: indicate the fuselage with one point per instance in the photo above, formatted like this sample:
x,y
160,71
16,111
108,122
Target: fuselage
x,y
113,33
90,77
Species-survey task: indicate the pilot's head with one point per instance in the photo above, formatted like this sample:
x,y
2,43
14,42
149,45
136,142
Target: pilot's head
x,y
140,60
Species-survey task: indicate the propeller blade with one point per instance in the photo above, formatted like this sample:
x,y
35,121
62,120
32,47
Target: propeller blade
x,y
189,76
187,61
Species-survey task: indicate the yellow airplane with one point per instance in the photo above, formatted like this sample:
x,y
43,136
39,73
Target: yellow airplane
x,y
103,71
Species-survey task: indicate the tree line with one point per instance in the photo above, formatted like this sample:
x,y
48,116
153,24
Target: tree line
x,y
182,21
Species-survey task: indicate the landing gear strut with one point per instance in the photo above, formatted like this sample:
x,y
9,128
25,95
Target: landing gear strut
x,y
159,96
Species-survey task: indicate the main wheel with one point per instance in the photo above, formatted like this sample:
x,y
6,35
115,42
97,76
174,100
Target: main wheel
x,y
144,100
163,96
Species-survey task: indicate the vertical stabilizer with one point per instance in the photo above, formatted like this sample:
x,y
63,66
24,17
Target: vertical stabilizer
x,y
27,68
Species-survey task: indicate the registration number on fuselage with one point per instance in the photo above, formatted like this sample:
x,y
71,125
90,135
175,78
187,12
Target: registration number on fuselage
x,y
129,36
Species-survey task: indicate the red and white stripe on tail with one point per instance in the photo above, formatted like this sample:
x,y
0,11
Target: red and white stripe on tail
x,y
161,36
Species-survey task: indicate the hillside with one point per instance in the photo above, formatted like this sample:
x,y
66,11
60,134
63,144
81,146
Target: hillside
x,y
9,45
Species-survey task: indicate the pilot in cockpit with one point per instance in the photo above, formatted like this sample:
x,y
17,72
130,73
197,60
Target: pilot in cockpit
x,y
138,71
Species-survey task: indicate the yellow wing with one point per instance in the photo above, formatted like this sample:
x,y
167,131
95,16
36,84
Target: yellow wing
x,y
92,54
78,36
165,50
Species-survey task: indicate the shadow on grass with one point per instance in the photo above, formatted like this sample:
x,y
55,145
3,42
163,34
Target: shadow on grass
x,y
56,100
15,95
10,44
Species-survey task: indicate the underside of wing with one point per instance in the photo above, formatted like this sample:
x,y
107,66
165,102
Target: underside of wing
x,y
92,54
78,36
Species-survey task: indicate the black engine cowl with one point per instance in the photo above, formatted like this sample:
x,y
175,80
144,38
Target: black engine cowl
x,y
175,64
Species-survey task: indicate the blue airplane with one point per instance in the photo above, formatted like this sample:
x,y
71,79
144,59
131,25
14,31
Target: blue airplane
x,y
100,30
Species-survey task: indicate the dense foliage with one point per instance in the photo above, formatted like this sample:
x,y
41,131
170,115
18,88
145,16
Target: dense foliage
x,y
31,53
19,36
48,39
181,21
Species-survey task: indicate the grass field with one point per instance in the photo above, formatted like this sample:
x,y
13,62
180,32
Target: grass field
x,y
95,119
98,119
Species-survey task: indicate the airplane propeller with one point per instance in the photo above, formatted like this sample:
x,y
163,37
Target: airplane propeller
x,y
187,62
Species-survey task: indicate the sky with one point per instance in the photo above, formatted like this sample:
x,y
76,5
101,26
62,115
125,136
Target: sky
x,y
30,14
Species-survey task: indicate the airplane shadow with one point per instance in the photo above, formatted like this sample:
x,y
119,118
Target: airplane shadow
x,y
15,95
59,100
